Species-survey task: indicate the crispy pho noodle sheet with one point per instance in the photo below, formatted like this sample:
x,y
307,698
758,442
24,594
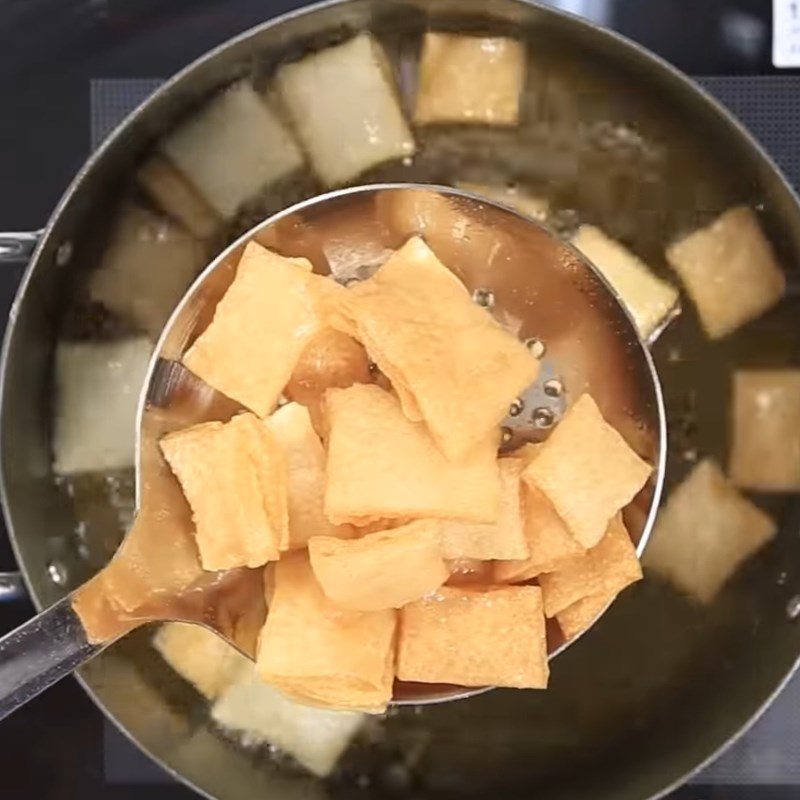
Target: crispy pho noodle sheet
x,y
231,148
765,430
730,271
382,465
649,299
471,637
548,539
575,619
260,328
705,532
170,191
450,363
345,109
504,538
606,569
305,474
587,471
470,79
258,714
330,359
382,570
234,476
320,653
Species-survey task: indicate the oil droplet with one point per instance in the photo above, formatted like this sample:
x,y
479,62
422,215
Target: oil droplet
x,y
793,607
543,417
553,388
483,297
516,408
782,579
536,347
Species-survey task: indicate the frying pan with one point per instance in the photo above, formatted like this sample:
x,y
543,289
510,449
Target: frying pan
x,y
612,136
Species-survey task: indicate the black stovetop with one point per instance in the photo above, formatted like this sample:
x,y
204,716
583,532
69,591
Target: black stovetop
x,y
64,66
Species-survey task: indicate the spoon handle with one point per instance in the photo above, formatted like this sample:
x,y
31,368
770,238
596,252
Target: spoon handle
x,y
40,652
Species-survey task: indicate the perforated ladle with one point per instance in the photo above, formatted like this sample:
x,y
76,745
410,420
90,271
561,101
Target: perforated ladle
x,y
537,286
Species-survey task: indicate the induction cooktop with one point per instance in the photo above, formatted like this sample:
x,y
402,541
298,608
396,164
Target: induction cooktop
x,y
79,67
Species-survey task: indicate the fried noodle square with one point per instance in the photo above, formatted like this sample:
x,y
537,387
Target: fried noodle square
x,y
319,653
381,570
234,476
451,364
382,465
587,471
494,637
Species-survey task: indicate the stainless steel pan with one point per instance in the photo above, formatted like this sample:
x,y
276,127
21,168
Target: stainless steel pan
x,y
614,136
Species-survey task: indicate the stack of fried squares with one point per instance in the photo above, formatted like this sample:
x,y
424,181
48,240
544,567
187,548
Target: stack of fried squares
x,y
361,508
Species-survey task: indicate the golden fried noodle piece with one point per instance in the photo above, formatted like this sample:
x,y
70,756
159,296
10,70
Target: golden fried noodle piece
x,y
765,435
234,476
260,328
381,465
581,614
448,356
147,265
729,270
305,462
606,570
649,299
345,109
504,538
548,539
259,714
491,637
232,148
587,471
382,570
330,359
97,396
319,653
470,79
173,193
705,532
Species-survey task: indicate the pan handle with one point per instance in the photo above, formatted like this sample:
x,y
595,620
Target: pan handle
x,y
40,652
12,587
16,247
